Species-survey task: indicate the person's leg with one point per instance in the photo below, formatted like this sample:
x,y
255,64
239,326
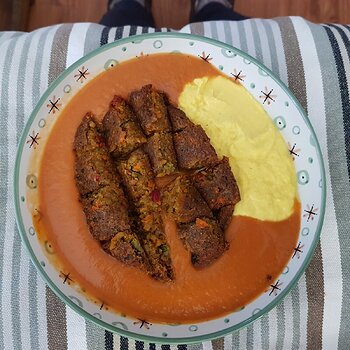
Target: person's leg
x,y
215,11
128,12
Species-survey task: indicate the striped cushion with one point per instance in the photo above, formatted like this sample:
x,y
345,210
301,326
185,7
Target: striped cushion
x,y
313,60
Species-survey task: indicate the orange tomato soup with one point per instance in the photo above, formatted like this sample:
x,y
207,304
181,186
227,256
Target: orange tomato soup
x,y
258,251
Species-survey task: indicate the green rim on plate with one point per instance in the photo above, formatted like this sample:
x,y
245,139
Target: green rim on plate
x,y
84,313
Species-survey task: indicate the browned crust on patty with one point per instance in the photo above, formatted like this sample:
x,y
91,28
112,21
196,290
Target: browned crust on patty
x,y
106,212
217,185
122,132
193,149
178,119
127,249
204,239
224,216
93,166
183,202
102,198
150,109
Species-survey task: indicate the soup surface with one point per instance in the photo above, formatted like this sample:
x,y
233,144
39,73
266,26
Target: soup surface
x,y
259,250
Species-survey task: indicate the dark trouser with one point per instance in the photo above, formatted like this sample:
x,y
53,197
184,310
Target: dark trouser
x,y
129,12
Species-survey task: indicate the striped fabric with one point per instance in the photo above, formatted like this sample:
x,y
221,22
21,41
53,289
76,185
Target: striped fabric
x,y
313,60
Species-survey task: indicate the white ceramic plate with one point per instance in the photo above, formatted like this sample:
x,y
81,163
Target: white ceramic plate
x,y
282,107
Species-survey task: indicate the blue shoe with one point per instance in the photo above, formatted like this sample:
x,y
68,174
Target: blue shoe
x,y
144,3
197,5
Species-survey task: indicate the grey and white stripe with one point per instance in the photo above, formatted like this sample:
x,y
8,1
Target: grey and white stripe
x,y
95,336
264,43
248,30
330,247
6,215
